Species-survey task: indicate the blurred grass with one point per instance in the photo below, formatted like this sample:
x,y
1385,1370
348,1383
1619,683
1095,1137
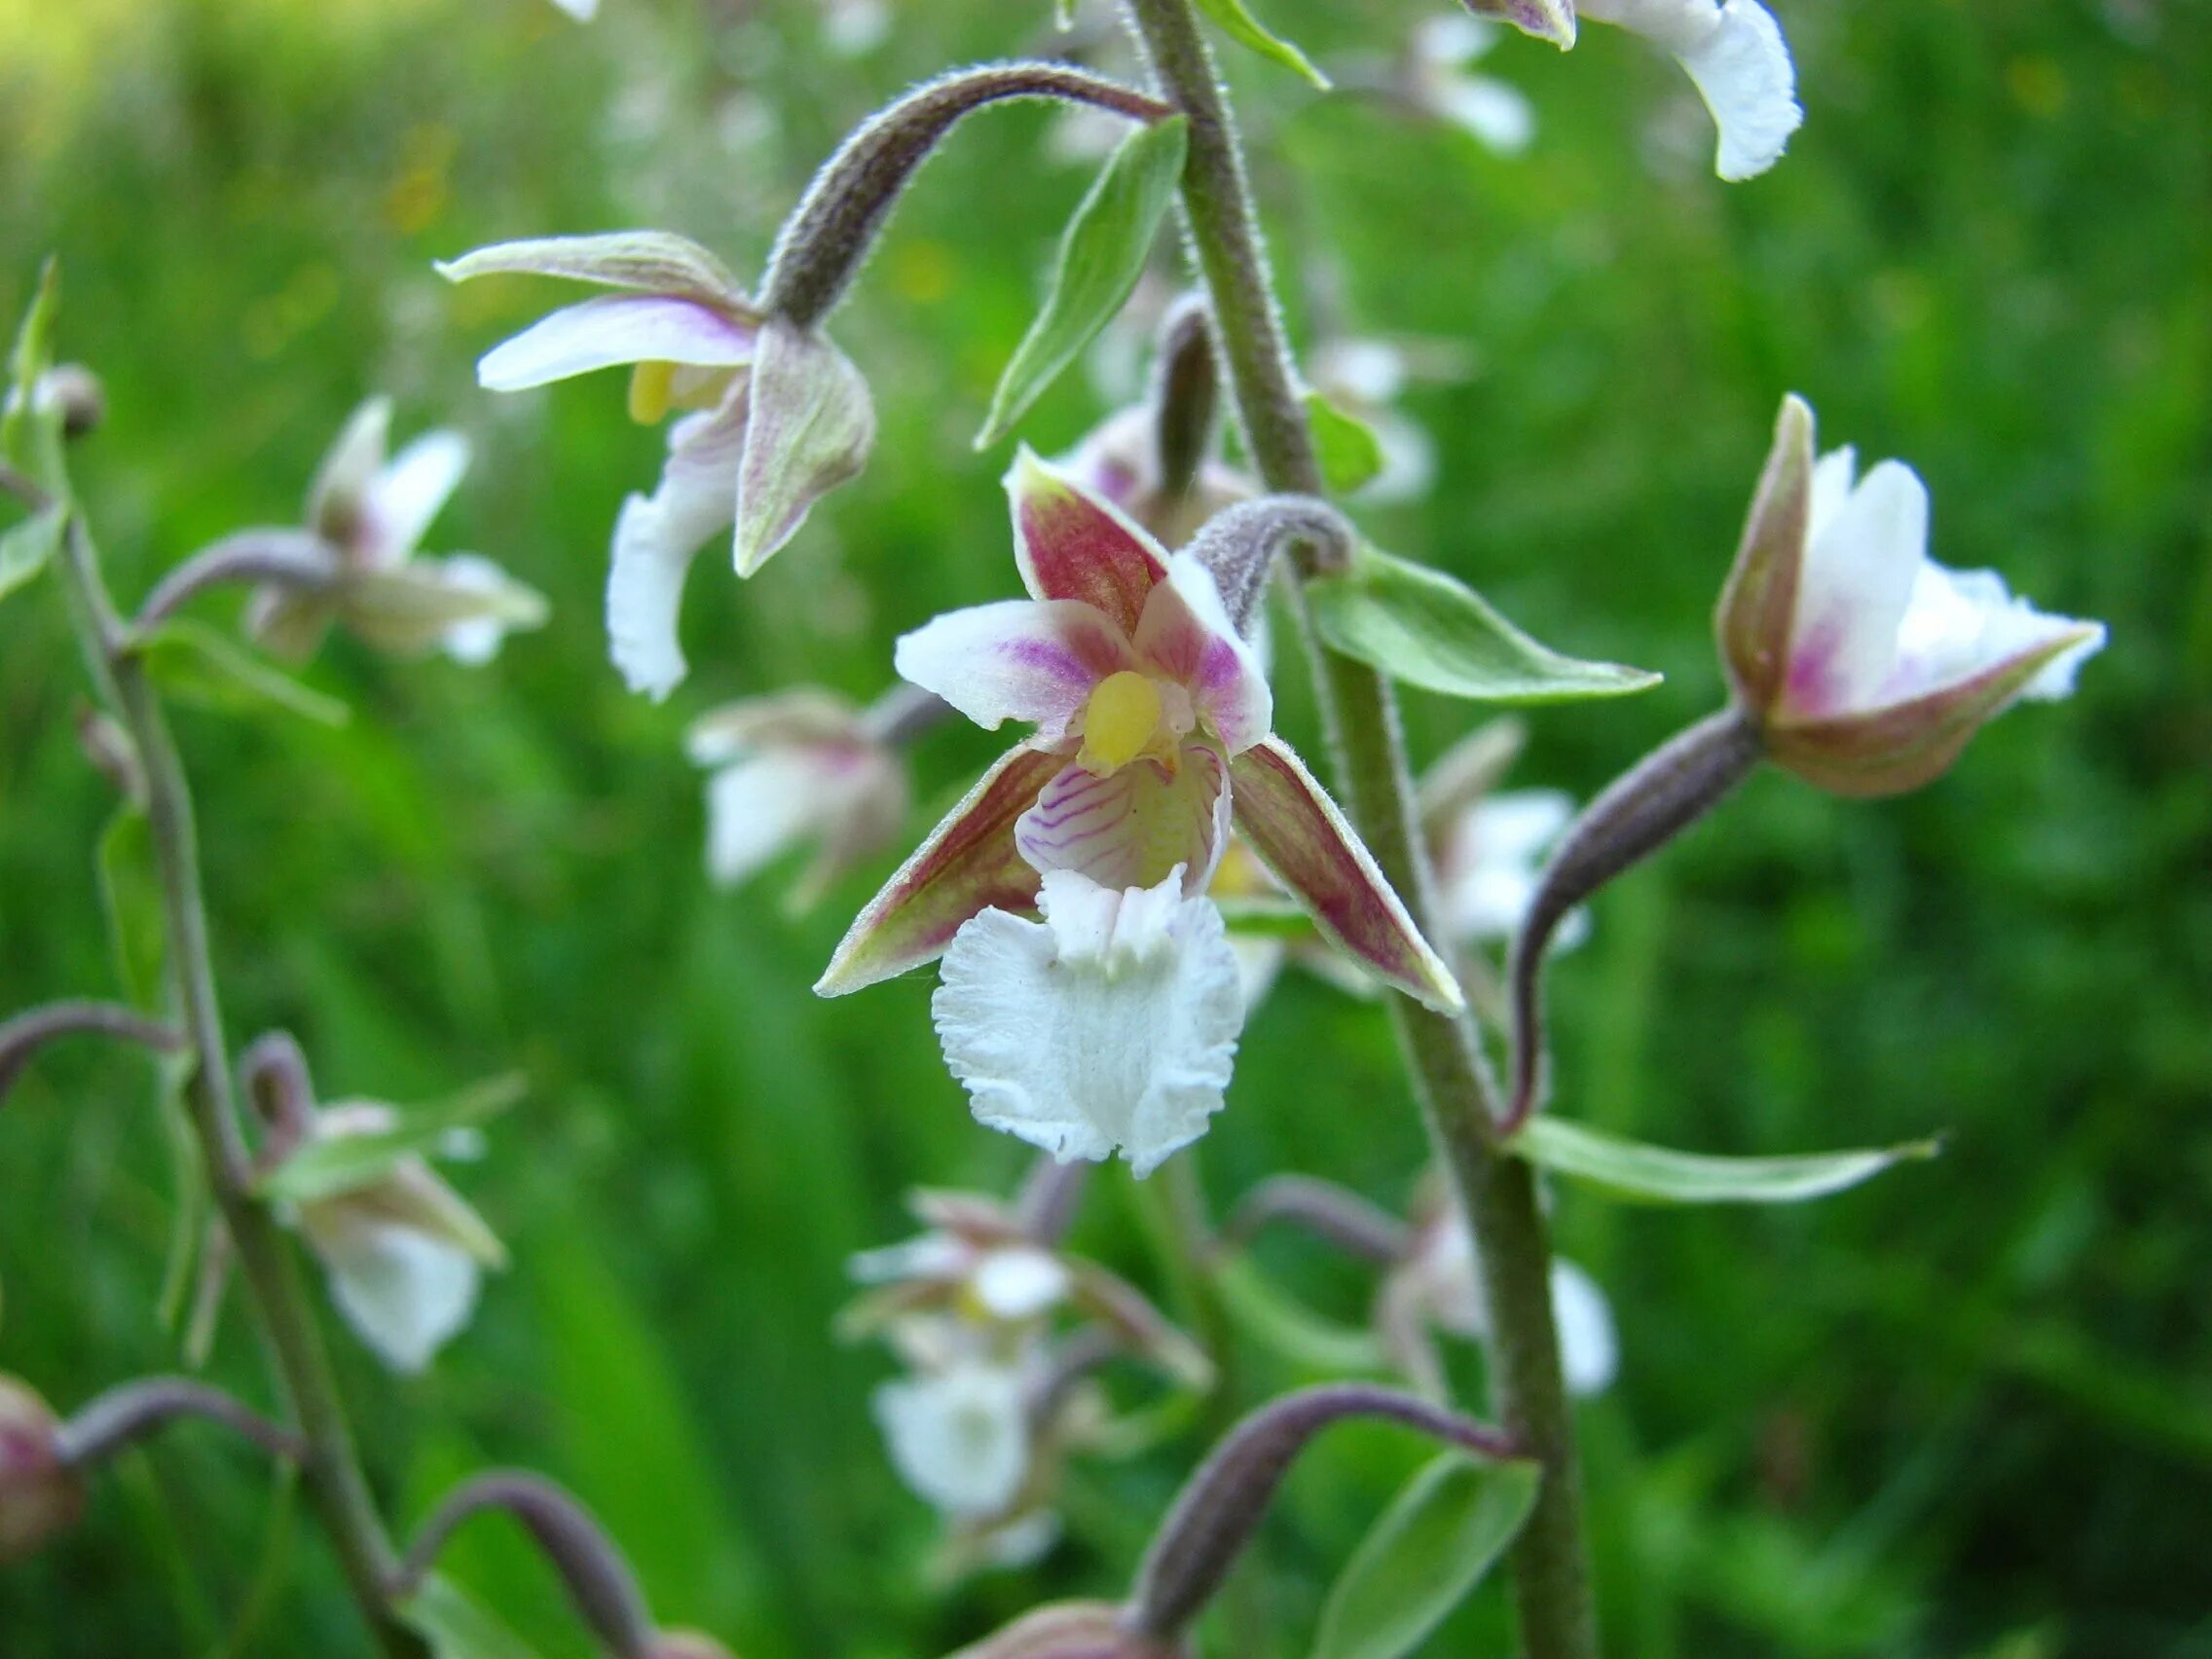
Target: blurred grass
x,y
1963,1412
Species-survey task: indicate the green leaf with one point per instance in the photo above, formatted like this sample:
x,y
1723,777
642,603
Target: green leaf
x,y
344,1163
1652,1175
196,664
1275,1319
1351,454
457,1627
28,547
1237,22
32,356
1431,1547
131,898
1430,630
1101,256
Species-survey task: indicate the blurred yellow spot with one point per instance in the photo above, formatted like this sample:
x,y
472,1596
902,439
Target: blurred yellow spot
x,y
1120,722
418,196
922,271
2037,85
653,387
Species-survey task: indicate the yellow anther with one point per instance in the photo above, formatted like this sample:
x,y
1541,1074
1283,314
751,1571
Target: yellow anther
x,y
1120,720
651,391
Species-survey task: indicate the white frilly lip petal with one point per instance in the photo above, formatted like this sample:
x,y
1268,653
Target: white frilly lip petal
x,y
1111,1023
407,495
1961,623
1863,562
611,329
1736,56
657,536
958,1437
758,807
405,1292
1019,659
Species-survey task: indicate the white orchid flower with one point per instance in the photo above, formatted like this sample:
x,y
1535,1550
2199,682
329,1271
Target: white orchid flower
x,y
1733,51
1868,664
775,415
372,513
960,1437
1439,80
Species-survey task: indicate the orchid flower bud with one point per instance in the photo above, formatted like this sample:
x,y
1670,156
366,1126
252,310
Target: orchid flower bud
x,y
39,1495
803,765
1072,1630
1732,50
1865,665
369,515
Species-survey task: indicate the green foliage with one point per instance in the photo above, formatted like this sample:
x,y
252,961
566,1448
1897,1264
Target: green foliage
x,y
28,547
196,664
1234,19
1102,254
1653,1174
1351,455
344,1163
1426,628
1435,1544
457,1627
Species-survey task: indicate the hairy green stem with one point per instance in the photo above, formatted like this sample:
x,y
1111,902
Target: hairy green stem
x,y
1551,1568
335,1484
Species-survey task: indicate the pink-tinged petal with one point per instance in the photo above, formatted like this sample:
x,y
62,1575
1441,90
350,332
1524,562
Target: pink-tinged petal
x,y
1131,828
1296,829
813,423
617,328
1072,544
967,865
406,496
651,262
1545,19
1186,634
657,536
1854,588
1020,659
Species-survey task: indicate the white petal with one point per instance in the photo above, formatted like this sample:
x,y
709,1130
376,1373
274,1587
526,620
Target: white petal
x,y
1488,109
1259,964
1959,623
1855,584
611,329
1112,1023
1736,56
1186,634
1833,476
1020,1283
1589,1348
584,10
851,27
406,496
404,1292
929,1256
959,1438
1020,659
758,807
657,536
511,606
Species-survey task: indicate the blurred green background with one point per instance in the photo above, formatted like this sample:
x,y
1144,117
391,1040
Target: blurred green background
x,y
1966,1411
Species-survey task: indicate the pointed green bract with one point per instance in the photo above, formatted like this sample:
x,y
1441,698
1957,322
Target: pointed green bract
x,y
332,1165
28,547
1349,452
1235,21
1102,254
1653,1174
1433,1545
1427,629
196,664
130,900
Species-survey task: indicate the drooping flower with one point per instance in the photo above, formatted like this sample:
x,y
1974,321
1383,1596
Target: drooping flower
x,y
39,1495
801,765
370,514
774,417
1153,738
1438,1285
404,1253
959,1437
1865,664
1732,50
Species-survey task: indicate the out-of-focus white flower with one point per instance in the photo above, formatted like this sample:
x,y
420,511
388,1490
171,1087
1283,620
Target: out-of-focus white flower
x,y
1437,80
959,1437
371,513
1488,866
1868,664
1363,378
803,765
776,417
403,1251
584,10
1732,50
852,28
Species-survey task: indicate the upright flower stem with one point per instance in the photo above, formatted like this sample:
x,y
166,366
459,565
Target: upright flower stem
x,y
335,1484
1497,1192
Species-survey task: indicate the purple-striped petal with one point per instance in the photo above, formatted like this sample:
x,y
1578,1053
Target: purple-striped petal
x,y
617,328
1289,820
1020,659
1187,635
967,865
1072,544
1131,829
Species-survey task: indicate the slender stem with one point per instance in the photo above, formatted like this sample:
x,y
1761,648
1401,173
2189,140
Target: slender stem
x,y
590,1563
1225,1501
129,1414
1330,1212
1497,1192
1050,1196
23,1036
334,1483
289,558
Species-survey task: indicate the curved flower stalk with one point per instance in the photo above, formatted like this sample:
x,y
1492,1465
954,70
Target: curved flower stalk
x,y
994,1400
1112,1022
368,515
1733,51
800,766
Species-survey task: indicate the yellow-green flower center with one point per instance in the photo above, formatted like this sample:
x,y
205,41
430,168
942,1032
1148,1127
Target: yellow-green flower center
x,y
1122,722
